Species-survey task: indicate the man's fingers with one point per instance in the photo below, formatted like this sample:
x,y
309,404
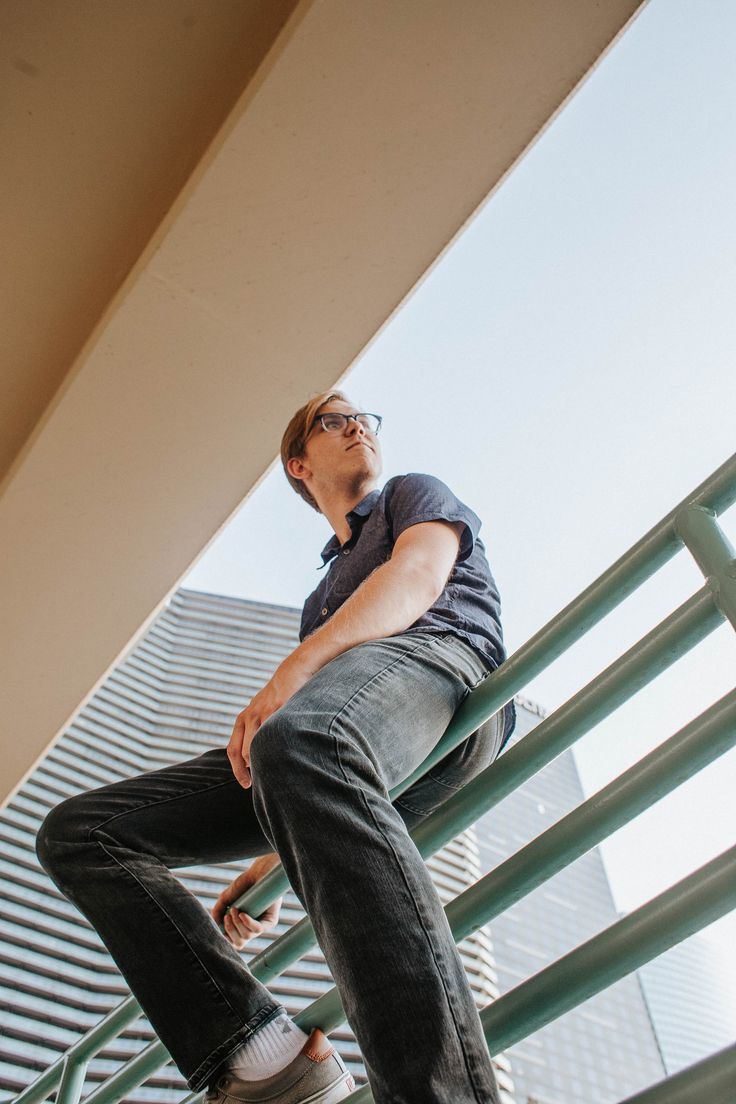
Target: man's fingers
x,y
218,909
243,775
238,750
236,738
240,927
245,924
231,893
232,933
240,769
270,917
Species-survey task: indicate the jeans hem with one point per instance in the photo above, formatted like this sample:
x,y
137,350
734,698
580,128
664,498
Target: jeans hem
x,y
205,1070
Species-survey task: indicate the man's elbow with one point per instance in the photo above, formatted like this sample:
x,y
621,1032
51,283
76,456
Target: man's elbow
x,y
434,580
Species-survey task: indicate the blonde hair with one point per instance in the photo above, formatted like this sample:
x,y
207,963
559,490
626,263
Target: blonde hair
x,y
294,441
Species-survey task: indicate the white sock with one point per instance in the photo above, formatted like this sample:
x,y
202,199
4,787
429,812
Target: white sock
x,y
268,1050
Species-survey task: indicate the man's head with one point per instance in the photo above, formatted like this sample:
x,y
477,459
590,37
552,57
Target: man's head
x,y
349,457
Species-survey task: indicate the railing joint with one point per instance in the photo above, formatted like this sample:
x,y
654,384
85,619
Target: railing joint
x,y
698,528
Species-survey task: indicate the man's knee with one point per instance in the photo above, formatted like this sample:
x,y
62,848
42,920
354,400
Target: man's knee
x,y
60,831
277,746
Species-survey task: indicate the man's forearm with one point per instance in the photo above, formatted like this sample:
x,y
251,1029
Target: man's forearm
x,y
391,599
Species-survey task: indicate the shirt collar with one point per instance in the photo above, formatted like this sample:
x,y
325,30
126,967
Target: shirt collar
x,y
362,510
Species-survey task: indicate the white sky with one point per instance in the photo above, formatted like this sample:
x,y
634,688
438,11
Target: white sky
x,y
567,368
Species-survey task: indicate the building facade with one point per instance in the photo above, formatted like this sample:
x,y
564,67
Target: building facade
x,y
605,1049
691,1004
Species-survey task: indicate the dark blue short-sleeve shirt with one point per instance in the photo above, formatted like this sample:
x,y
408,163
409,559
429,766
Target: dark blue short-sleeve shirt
x,y
469,605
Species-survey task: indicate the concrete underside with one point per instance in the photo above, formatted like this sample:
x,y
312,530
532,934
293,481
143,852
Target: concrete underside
x,y
209,211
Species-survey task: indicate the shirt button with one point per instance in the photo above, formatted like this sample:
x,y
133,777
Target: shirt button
x,y
346,551
324,612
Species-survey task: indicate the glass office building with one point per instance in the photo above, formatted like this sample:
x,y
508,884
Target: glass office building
x,y
604,1050
691,1003
172,697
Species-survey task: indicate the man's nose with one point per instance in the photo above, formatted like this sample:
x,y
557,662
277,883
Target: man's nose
x,y
354,426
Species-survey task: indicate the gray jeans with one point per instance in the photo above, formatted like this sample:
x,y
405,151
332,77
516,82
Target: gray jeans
x,y
322,766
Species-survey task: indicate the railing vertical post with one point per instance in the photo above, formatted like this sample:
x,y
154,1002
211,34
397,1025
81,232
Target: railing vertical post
x,y
72,1080
711,549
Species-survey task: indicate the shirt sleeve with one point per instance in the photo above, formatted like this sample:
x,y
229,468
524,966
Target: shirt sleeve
x,y
418,497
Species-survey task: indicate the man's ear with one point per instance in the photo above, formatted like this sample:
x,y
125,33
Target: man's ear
x,y
297,468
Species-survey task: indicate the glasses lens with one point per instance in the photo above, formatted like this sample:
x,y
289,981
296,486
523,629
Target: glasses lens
x,y
333,423
370,422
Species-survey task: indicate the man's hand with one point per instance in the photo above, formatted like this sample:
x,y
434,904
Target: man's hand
x,y
239,926
288,677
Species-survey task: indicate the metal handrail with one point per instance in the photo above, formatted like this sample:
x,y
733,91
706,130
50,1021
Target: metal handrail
x,y
658,650
711,1080
629,943
692,525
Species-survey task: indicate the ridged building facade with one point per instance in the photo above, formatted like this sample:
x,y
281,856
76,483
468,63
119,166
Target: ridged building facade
x,y
172,697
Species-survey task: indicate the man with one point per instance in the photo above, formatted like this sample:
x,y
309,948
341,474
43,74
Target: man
x,y
404,625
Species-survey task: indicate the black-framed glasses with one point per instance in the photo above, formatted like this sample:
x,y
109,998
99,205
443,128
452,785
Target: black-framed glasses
x,y
333,422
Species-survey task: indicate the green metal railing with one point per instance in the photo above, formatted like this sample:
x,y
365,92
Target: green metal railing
x,y
686,907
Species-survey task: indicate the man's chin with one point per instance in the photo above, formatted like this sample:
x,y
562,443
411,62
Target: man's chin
x,y
366,459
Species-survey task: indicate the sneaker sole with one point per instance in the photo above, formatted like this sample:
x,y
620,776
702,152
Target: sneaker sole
x,y
333,1093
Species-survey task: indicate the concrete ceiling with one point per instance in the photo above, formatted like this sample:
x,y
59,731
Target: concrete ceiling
x,y
105,111
209,209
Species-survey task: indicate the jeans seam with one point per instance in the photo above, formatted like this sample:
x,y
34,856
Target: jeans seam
x,y
411,808
152,804
171,920
440,972
447,785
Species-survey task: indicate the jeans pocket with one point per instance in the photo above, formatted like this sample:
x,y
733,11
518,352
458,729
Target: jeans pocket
x,y
457,768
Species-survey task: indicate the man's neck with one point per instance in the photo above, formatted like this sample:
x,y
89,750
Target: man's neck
x,y
339,503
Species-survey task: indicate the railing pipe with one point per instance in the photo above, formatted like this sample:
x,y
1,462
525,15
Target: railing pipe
x,y
660,648
667,642
717,492
684,908
713,553
126,1013
642,560
710,1081
72,1080
665,768
135,1071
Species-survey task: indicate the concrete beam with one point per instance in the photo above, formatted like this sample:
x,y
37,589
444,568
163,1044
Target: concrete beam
x,y
367,138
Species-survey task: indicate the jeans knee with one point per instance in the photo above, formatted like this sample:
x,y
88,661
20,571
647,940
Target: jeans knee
x,y
275,746
60,830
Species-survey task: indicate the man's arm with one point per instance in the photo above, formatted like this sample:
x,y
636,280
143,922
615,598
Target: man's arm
x,y
391,599
393,596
